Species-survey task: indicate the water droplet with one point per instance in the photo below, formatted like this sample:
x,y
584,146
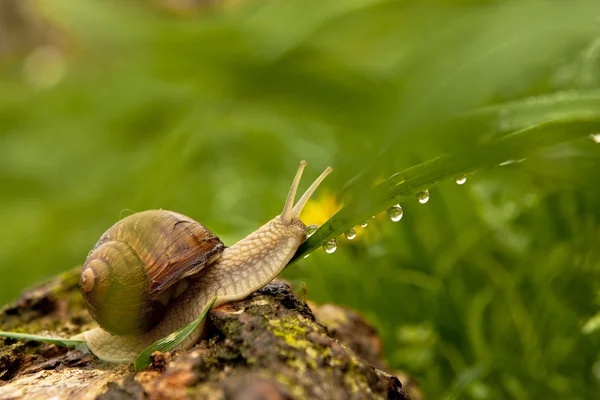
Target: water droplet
x,y
306,256
395,213
461,180
312,228
373,216
365,224
595,137
330,246
423,197
350,233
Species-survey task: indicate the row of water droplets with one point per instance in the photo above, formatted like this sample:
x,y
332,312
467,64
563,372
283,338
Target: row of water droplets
x,y
394,213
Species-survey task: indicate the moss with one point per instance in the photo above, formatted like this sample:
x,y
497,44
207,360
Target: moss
x,y
294,336
316,355
297,364
67,281
44,309
54,308
357,384
294,388
292,333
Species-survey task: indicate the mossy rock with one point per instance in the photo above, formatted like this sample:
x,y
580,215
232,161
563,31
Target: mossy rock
x,y
269,345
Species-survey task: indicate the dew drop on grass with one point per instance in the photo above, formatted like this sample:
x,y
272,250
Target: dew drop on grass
x,y
312,228
395,213
330,246
461,180
350,233
595,137
365,224
306,256
423,197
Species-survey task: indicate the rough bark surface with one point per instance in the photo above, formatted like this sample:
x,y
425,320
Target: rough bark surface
x,y
268,346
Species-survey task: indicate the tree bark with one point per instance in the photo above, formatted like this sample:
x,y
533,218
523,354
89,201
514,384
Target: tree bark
x,y
268,346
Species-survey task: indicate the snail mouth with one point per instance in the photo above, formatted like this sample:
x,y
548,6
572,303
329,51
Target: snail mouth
x,y
291,211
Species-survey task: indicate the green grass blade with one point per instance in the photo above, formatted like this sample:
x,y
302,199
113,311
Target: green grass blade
x,y
520,114
486,124
408,183
170,342
72,344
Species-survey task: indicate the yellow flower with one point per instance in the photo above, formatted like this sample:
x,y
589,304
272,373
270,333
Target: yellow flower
x,y
318,210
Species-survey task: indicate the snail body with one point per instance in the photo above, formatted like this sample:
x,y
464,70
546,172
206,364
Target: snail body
x,y
183,267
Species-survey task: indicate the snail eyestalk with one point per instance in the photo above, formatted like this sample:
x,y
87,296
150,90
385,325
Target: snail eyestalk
x,y
287,213
304,199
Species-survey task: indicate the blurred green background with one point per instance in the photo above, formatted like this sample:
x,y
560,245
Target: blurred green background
x,y
115,106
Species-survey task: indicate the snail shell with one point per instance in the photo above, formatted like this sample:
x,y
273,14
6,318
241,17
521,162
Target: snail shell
x,y
139,264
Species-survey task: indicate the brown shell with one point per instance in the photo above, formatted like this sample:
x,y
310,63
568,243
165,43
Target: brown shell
x,y
130,273
171,245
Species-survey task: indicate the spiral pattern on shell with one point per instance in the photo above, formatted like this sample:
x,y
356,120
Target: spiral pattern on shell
x,y
139,264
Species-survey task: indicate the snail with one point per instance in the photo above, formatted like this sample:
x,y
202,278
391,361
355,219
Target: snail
x,y
153,272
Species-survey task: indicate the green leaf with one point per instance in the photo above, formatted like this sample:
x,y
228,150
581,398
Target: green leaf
x,y
170,342
72,344
489,124
405,185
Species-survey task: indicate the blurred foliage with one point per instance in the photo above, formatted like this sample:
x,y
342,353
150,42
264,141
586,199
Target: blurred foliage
x,y
481,293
